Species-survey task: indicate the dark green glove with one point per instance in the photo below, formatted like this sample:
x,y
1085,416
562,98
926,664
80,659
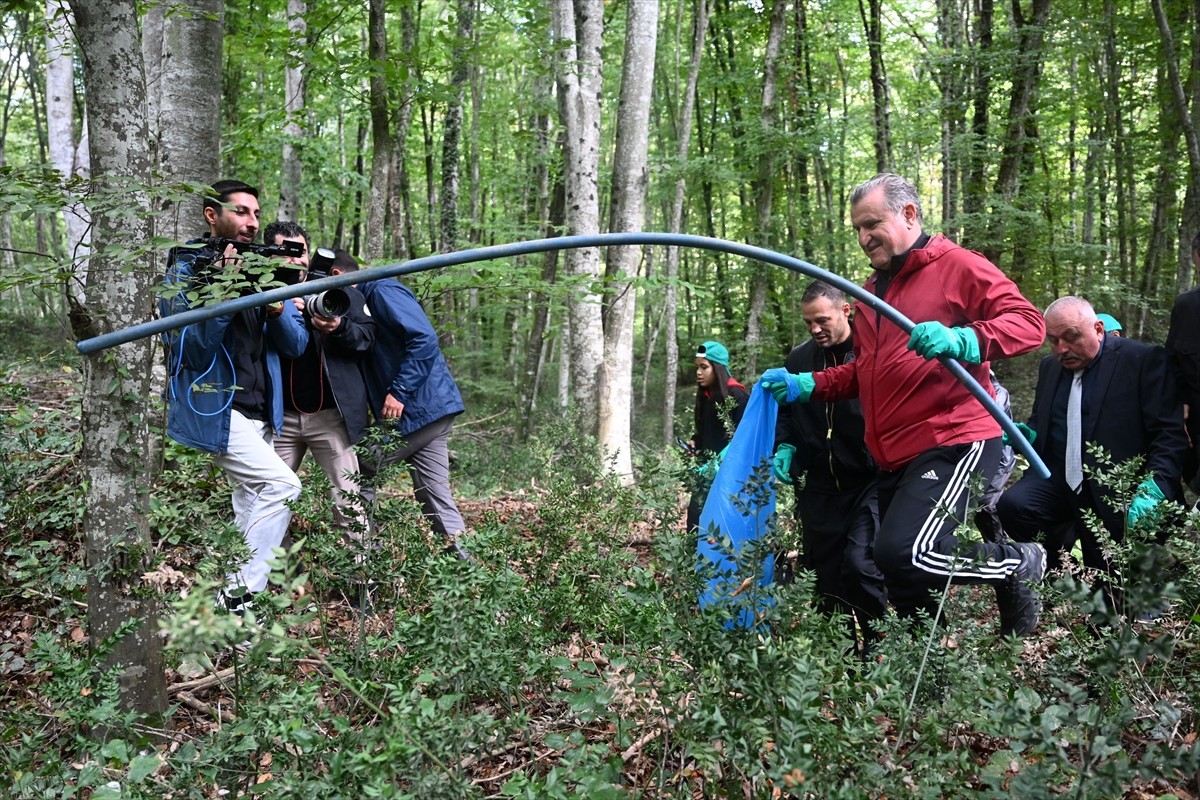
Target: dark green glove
x,y
1026,431
1144,502
934,340
783,462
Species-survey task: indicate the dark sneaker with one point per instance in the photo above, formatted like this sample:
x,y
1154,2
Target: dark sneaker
x,y
1019,603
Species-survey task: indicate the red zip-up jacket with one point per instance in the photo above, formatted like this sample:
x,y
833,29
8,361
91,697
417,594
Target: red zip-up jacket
x,y
912,405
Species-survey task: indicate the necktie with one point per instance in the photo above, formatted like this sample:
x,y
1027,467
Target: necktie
x,y
1074,454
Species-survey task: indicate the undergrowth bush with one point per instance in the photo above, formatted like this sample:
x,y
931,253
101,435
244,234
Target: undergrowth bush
x,y
570,660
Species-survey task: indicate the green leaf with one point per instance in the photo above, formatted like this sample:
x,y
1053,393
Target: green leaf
x,y
142,767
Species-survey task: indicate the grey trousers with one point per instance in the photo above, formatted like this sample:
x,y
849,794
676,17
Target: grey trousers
x,y
427,452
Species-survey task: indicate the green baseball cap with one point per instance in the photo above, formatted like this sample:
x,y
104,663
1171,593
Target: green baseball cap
x,y
714,352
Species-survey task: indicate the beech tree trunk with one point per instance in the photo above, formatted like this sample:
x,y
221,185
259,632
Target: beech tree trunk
x,y
578,27
452,126
764,185
684,135
187,125
627,215
64,151
381,144
872,19
294,107
119,455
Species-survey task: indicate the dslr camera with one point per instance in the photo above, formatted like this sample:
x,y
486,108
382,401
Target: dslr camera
x,y
331,303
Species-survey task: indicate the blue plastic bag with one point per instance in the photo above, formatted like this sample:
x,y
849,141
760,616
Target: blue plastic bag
x,y
740,513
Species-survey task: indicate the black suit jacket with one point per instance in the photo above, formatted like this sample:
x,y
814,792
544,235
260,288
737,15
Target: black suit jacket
x,y
1133,409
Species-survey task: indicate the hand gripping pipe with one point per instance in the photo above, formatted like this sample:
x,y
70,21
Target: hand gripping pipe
x,y
442,260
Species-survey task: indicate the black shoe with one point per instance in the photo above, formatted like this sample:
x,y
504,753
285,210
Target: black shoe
x,y
1019,603
236,604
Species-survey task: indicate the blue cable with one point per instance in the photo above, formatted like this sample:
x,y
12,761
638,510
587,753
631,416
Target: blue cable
x,y
442,260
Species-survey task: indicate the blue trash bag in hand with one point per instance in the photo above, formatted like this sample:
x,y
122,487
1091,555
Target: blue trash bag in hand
x,y
739,513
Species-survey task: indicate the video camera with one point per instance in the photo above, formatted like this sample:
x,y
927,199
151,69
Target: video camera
x,y
283,273
331,303
285,249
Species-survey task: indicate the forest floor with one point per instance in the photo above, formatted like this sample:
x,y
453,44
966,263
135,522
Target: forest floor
x,y
204,703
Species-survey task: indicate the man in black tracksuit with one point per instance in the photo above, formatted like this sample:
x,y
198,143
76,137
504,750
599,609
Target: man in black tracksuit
x,y
836,501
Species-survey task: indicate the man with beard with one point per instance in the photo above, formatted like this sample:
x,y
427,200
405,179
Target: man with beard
x,y
820,450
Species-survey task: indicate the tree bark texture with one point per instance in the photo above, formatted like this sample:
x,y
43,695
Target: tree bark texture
x,y
290,186
684,134
452,126
578,27
61,139
187,127
872,19
764,184
119,451
628,214
381,143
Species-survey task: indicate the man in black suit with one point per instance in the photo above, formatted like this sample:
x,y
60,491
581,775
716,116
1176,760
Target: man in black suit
x,y
1122,393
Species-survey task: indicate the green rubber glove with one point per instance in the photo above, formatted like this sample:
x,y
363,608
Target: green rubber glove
x,y
1144,502
934,340
708,470
788,387
1026,431
783,462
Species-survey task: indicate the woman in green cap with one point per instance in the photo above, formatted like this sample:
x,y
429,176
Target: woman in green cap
x,y
720,401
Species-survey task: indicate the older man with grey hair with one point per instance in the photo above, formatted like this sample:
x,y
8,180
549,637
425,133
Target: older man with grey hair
x,y
928,434
1095,389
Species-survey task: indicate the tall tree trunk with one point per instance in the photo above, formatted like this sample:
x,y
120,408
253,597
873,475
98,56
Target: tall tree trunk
x,y
578,27
188,125
401,193
975,191
675,225
431,186
60,136
1031,33
627,214
452,125
872,20
535,352
381,145
1121,155
948,69
294,106
764,186
119,448
1190,221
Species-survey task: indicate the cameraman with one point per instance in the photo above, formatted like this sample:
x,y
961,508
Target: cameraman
x,y
324,397
224,388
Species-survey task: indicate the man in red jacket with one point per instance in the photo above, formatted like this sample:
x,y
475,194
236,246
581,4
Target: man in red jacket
x,y
930,437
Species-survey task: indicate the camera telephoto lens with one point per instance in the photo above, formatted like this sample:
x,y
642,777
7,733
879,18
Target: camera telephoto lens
x,y
331,304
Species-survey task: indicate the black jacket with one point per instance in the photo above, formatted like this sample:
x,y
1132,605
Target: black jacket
x,y
711,436
830,438
1131,410
342,353
1183,344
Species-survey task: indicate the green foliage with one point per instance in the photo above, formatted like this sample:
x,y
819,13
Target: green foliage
x,y
568,662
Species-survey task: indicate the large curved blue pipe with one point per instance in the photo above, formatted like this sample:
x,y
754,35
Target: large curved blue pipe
x,y
441,260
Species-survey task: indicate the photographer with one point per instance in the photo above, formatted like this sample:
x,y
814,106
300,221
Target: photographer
x,y
324,397
415,398
224,389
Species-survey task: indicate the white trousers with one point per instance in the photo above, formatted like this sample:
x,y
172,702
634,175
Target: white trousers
x,y
262,486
